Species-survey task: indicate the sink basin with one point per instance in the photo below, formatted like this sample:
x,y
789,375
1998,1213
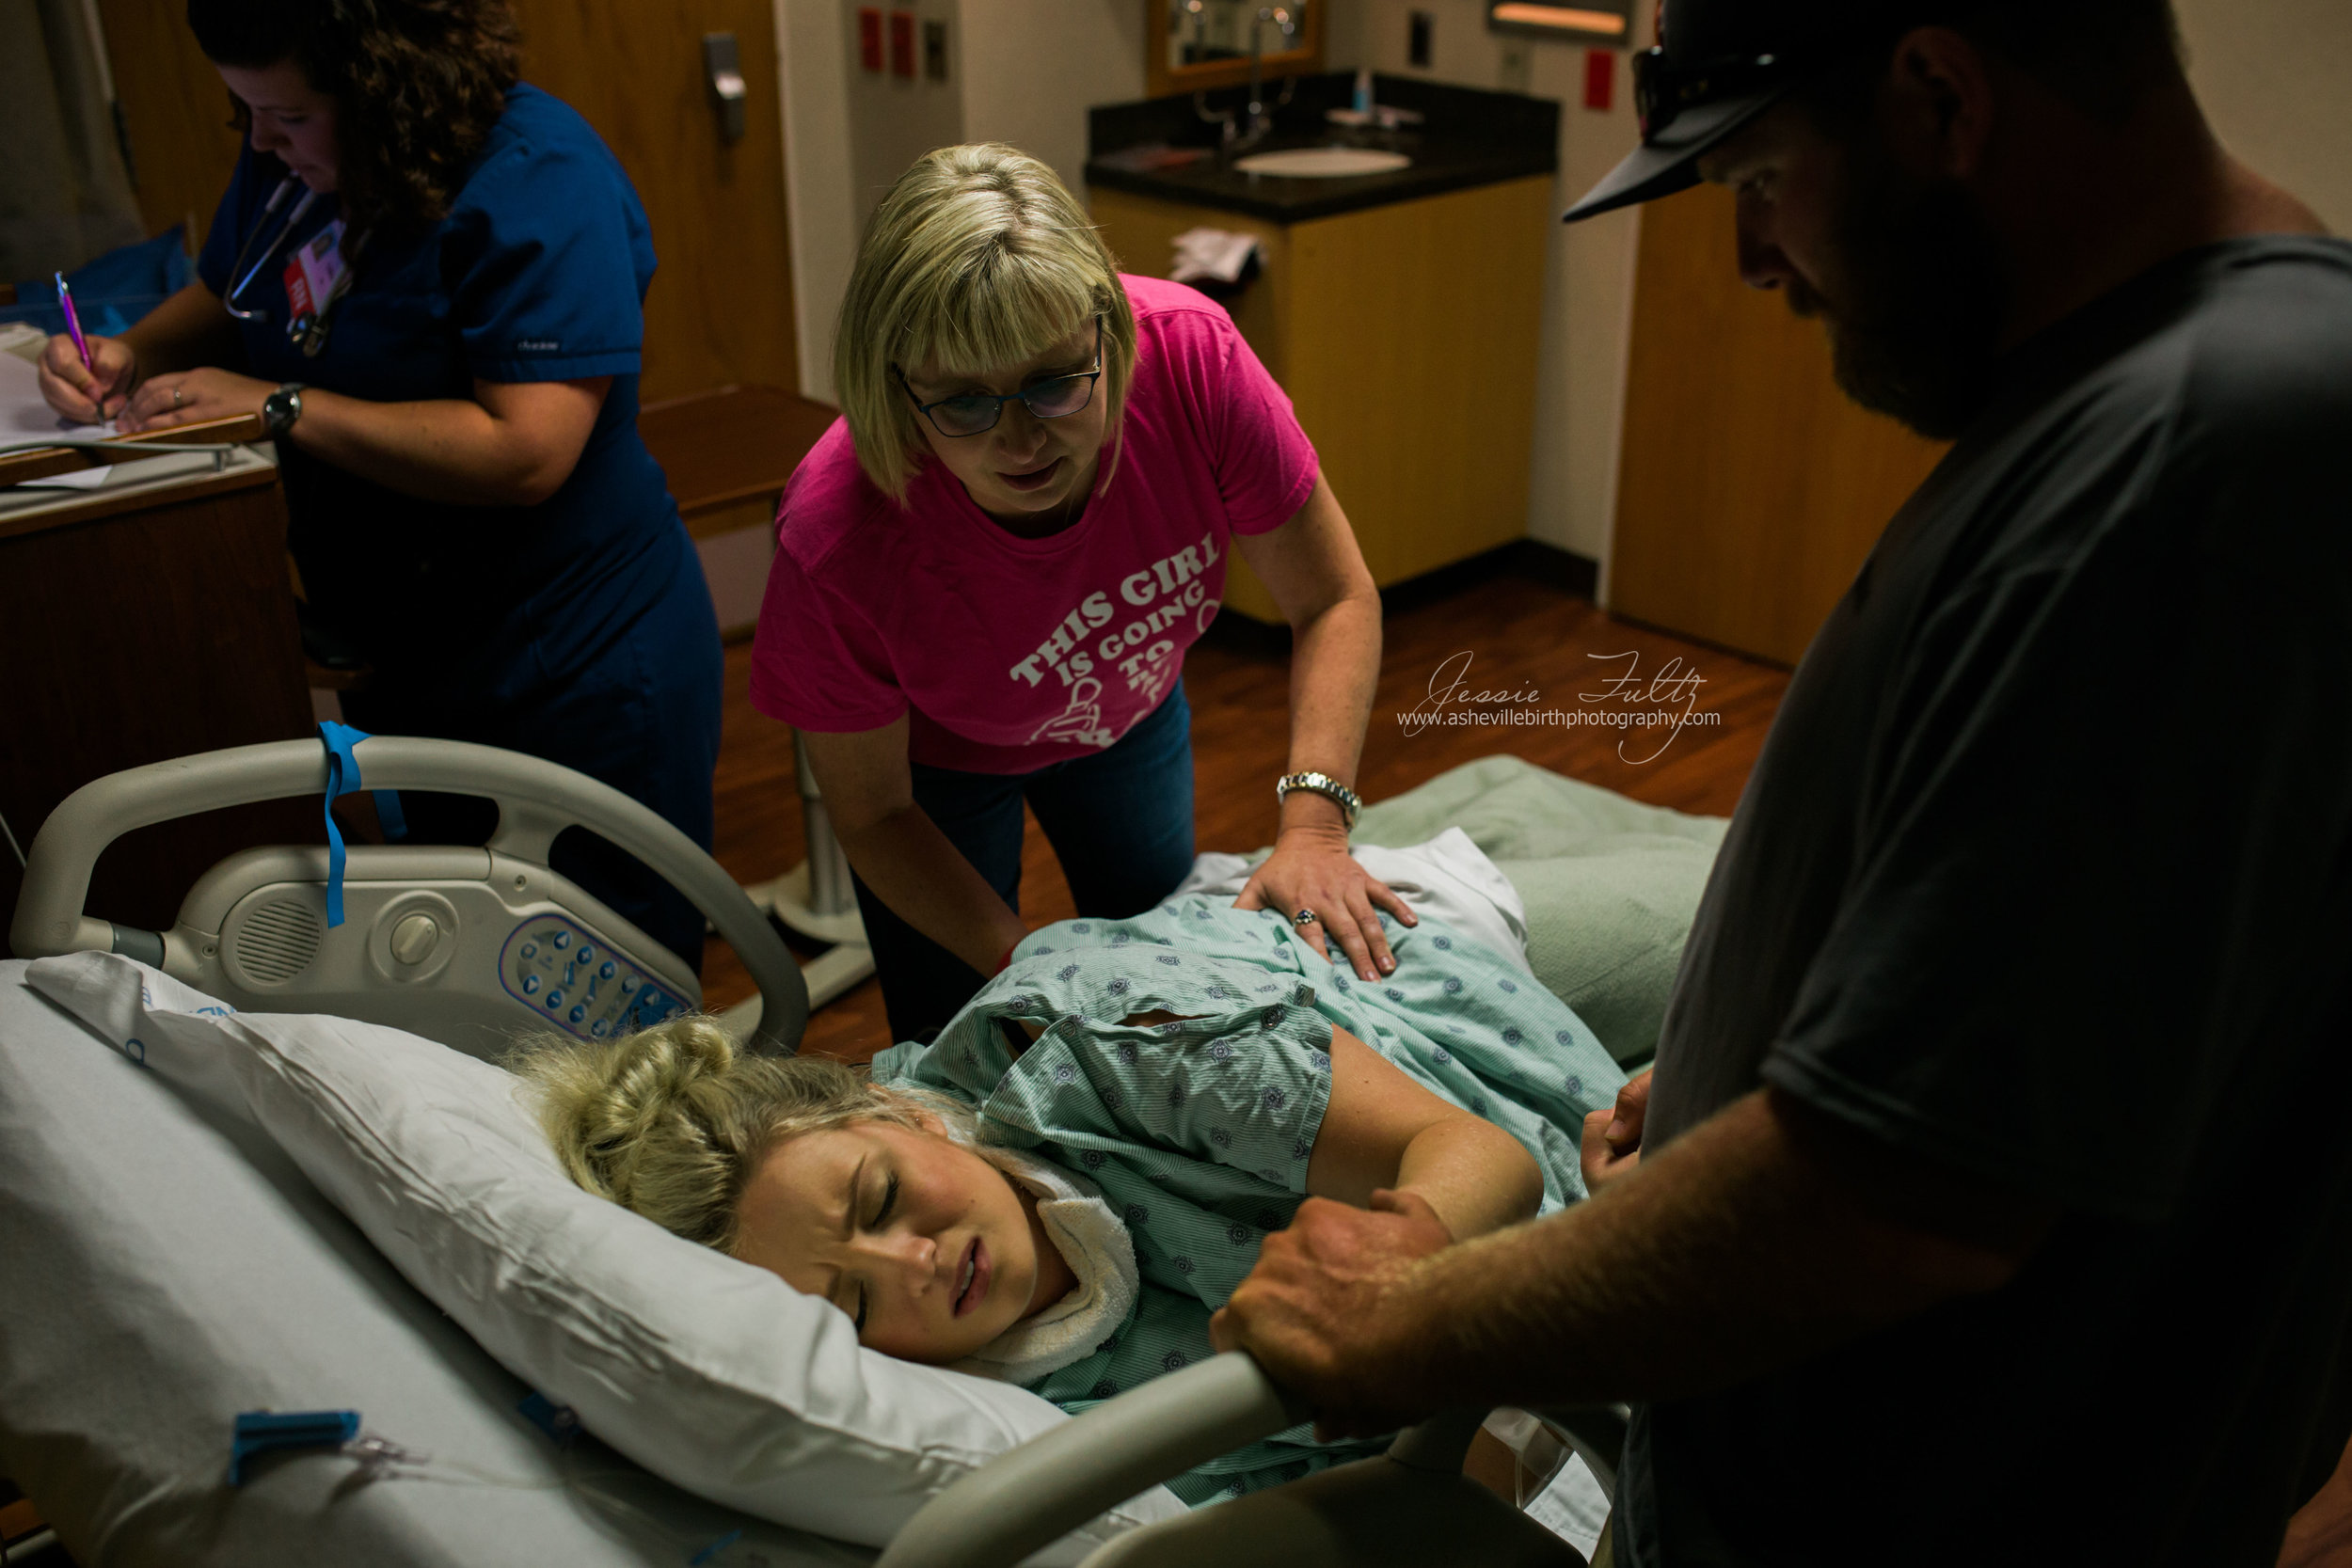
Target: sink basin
x,y
1323,163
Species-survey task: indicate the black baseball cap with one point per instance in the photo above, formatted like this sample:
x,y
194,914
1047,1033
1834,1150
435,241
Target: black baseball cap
x,y
1721,63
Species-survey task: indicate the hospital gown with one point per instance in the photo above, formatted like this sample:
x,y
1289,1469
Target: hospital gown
x,y
1199,1131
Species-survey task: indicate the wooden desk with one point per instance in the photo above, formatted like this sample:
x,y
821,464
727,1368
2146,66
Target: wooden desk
x,y
145,625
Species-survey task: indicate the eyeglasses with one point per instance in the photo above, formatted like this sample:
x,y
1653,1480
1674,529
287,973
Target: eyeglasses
x,y
977,413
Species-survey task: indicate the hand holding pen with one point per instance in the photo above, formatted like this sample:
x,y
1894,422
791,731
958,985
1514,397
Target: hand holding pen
x,y
86,379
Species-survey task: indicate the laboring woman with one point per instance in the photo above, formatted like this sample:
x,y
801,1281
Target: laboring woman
x,y
428,280
1061,1189
988,570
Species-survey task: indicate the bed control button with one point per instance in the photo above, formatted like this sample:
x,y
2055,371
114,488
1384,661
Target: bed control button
x,y
562,940
629,983
606,973
587,954
577,1014
531,985
414,939
601,1029
531,949
555,997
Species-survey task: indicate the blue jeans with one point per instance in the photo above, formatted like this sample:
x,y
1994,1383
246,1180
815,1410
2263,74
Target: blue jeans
x,y
1120,822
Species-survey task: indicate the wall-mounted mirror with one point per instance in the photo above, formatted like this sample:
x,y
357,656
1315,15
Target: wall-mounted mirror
x,y
1193,46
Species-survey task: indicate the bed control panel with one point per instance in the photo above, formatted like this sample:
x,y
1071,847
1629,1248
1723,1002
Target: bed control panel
x,y
576,983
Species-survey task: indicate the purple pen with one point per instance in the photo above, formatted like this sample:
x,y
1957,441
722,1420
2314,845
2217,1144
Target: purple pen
x,y
73,322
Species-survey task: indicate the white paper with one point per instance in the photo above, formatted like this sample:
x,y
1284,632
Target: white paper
x,y
24,412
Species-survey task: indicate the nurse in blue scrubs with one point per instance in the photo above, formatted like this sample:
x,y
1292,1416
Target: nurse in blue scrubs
x,y
427,278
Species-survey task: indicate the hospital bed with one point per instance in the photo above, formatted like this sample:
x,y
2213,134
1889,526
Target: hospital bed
x,y
175,1265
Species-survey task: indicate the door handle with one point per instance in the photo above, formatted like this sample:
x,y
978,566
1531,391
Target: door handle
x,y
724,68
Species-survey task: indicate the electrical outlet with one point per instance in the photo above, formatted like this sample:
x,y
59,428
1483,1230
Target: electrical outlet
x,y
1417,48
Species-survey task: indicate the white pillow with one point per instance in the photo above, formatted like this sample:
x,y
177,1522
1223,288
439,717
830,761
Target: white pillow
x,y
708,1372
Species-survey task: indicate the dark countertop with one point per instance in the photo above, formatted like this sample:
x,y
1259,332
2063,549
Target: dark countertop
x,y
1467,138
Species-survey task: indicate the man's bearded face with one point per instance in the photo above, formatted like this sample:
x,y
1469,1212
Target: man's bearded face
x,y
1912,294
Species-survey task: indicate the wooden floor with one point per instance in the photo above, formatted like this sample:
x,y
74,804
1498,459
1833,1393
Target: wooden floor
x,y
1546,649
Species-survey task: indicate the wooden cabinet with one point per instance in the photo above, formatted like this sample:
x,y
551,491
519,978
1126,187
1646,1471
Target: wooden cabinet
x,y
1406,337
1752,487
148,624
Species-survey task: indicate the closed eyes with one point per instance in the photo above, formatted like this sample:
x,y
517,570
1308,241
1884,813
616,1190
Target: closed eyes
x,y
882,1217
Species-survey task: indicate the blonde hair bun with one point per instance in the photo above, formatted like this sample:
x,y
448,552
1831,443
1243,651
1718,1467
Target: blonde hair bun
x,y
672,1121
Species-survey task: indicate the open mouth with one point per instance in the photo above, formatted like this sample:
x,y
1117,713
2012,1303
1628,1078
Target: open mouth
x,y
971,1279
1035,479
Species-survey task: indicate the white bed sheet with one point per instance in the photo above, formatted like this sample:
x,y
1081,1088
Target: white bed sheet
x,y
166,1271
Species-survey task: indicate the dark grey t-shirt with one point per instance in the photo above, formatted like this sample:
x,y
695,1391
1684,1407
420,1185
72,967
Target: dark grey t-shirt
x,y
2046,873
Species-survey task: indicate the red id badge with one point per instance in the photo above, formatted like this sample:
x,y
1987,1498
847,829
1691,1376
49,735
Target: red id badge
x,y
317,266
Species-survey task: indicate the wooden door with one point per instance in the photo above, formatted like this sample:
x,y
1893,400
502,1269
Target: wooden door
x,y
1751,488
720,311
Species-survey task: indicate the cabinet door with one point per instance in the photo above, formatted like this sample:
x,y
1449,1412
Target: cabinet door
x,y
1752,487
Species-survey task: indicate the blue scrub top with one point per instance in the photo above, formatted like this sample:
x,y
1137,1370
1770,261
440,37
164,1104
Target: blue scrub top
x,y
537,274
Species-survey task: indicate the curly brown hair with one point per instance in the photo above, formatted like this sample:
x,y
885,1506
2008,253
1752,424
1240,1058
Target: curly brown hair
x,y
416,85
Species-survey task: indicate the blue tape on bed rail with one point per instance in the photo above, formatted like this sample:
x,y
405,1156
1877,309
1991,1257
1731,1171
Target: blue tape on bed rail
x,y
260,1432
343,778
559,1421
710,1553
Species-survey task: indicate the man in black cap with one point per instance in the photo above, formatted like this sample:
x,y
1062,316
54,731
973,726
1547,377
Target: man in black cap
x,y
1993,1197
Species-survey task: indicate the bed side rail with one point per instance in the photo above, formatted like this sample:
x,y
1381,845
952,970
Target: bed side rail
x,y
536,801
1053,1483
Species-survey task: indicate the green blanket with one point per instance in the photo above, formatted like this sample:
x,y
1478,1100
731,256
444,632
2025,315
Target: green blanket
x,y
1610,884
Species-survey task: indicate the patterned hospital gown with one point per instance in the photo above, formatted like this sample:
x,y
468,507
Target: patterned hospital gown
x,y
1199,1131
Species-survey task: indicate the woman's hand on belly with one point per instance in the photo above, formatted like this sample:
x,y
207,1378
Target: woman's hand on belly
x,y
1310,870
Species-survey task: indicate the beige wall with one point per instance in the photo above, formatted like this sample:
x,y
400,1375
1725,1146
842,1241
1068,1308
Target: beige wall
x,y
1033,66
1022,72
1588,287
2275,79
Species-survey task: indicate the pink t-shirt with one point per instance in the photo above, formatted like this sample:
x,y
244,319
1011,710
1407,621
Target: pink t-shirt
x,y
1013,653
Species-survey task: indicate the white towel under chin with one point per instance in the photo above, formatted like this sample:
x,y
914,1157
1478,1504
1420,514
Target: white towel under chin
x,y
1094,1241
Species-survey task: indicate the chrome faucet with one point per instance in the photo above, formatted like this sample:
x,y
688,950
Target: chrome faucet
x,y
1256,121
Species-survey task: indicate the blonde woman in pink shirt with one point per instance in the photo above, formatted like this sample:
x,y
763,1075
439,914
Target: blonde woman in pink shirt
x,y
988,571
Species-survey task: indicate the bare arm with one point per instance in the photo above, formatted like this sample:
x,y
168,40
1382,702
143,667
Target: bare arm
x,y
511,444
899,852
1767,1234
1312,566
1382,1131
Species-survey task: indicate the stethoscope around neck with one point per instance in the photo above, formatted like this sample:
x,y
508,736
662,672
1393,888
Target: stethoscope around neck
x,y
309,331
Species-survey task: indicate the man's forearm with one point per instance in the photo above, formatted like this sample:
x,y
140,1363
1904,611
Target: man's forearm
x,y
1739,1248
